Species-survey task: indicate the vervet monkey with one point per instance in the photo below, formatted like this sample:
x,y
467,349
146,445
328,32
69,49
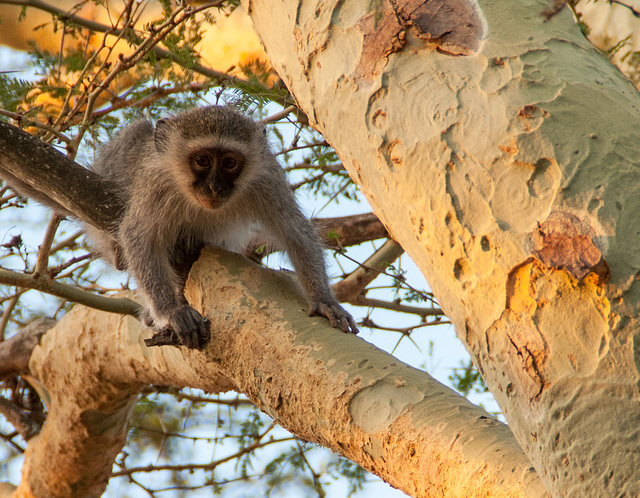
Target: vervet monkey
x,y
205,176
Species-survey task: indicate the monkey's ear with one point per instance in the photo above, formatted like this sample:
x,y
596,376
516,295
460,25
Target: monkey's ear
x,y
161,134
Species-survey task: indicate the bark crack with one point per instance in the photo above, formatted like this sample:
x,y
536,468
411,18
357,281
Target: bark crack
x,y
531,367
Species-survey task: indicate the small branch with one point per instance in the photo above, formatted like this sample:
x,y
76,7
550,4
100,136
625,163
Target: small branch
x,y
158,93
6,313
69,242
405,331
279,115
55,271
319,176
426,296
19,118
122,306
327,168
393,306
8,438
19,419
16,351
322,143
45,248
349,289
206,466
179,395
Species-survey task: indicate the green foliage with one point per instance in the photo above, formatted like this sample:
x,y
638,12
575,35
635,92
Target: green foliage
x,y
255,90
13,91
352,472
250,427
466,379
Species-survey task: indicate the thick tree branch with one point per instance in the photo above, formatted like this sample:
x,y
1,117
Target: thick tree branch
x,y
39,171
506,176
324,386
346,231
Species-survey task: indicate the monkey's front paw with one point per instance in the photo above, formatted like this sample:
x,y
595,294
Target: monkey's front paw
x,y
185,327
337,315
190,327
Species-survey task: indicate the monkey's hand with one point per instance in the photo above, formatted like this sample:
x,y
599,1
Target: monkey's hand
x,y
185,327
337,315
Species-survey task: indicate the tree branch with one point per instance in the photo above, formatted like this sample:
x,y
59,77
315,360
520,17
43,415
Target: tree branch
x,y
349,396
346,231
44,284
351,287
19,419
393,306
39,171
16,351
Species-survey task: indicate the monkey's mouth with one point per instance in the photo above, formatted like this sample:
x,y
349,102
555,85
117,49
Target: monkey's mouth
x,y
209,202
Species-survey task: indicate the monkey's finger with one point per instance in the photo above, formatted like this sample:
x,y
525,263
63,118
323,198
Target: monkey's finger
x,y
187,324
337,315
348,324
163,337
352,326
204,331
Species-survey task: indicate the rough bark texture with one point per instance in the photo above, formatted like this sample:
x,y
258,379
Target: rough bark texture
x,y
331,388
517,169
39,171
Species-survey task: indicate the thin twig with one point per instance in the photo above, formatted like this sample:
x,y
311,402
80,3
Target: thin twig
x,y
206,466
8,310
394,306
123,306
279,115
51,129
45,248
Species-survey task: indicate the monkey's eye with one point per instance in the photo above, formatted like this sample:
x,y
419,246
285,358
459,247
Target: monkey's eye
x,y
202,162
229,163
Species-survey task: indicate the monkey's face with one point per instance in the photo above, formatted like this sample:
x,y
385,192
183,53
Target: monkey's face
x,y
215,172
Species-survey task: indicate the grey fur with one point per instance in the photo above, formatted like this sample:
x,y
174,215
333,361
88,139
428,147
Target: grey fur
x,y
164,220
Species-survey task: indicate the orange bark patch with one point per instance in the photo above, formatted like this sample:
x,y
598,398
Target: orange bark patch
x,y
452,26
565,241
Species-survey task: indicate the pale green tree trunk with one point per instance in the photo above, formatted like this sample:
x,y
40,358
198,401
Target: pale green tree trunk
x,y
511,175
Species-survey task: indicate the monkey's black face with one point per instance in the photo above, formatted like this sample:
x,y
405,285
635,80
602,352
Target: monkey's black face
x,y
215,172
